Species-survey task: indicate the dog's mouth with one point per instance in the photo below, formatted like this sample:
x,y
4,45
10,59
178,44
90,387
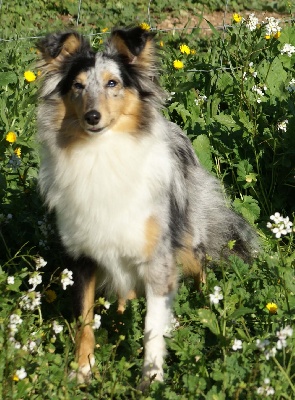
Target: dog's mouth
x,y
94,130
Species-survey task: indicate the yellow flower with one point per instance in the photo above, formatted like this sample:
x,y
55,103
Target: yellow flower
x,y
177,64
193,51
18,151
50,296
11,137
145,26
277,35
105,30
185,49
161,43
15,378
267,37
29,76
237,17
272,308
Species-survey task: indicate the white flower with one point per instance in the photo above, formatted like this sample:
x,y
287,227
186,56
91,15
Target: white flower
x,y
260,390
262,344
21,373
291,86
288,49
10,280
171,95
259,91
56,327
30,301
266,390
96,321
17,345
272,27
283,125
270,353
237,345
280,226
269,391
14,321
200,99
32,345
35,280
40,262
252,22
107,304
282,336
216,296
173,325
66,278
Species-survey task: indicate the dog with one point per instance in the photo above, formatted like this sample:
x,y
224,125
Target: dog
x,y
131,199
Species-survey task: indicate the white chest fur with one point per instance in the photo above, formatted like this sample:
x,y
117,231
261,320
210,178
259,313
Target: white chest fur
x,y
105,190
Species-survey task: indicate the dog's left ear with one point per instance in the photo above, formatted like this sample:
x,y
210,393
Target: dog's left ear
x,y
134,46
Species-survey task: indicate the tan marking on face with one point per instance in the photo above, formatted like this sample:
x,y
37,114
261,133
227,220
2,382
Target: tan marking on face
x,y
190,264
81,78
69,129
129,113
152,234
85,340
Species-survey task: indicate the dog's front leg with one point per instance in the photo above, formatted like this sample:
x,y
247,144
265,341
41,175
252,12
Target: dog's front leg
x,y
157,322
84,296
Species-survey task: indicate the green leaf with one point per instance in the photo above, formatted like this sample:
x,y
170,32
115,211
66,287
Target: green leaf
x,y
7,77
248,207
245,121
225,82
275,78
225,120
240,312
203,150
243,169
212,27
208,319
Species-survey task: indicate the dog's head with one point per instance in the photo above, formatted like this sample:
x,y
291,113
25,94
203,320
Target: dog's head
x,y
102,90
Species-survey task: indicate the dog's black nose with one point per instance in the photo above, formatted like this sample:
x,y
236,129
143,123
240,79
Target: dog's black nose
x,y
92,117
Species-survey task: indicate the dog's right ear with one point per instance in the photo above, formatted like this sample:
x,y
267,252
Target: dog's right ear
x,y
56,48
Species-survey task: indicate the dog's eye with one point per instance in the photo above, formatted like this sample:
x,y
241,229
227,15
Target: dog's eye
x,y
78,85
112,83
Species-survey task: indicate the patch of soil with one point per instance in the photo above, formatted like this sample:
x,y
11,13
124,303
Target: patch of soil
x,y
218,19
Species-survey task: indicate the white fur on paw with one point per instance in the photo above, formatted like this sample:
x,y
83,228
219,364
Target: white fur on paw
x,y
83,374
150,375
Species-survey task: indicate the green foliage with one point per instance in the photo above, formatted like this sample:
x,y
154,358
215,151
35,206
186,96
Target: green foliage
x,y
235,131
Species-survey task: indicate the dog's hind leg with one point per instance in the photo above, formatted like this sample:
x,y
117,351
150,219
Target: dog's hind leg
x,y
122,301
84,295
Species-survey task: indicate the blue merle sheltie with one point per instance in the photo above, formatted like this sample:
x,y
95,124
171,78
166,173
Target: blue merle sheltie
x,y
132,201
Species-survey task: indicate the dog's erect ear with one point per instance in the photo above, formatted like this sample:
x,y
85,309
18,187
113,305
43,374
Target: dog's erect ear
x,y
134,45
57,47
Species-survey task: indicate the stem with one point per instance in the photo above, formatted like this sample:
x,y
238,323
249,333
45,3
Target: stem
x,y
285,374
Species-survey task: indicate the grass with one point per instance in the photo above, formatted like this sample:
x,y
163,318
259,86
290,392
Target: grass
x,y
234,97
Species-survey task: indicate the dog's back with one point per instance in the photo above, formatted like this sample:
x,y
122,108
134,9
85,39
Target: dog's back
x,y
130,195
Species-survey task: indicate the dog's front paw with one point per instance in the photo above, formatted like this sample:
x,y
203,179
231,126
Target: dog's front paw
x,y
150,375
83,373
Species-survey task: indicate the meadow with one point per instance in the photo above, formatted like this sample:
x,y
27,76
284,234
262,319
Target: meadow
x,y
232,90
